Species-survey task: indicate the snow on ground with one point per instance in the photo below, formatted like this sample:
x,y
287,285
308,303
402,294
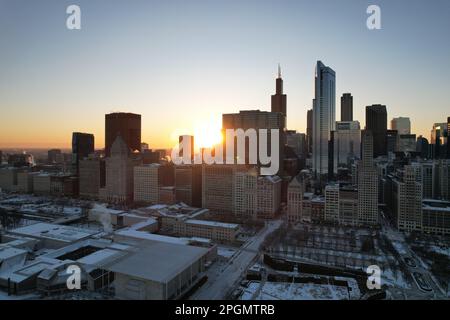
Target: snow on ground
x,y
441,250
400,247
392,279
295,291
226,252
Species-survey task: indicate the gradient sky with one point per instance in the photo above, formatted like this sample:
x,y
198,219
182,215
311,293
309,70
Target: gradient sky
x,y
182,63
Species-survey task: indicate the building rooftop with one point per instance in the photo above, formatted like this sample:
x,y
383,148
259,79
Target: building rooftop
x,y
162,261
55,232
213,223
437,205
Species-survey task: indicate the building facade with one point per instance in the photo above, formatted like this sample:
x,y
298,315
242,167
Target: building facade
x,y
127,125
376,122
324,117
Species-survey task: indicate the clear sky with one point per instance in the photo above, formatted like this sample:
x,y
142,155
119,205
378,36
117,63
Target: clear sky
x,y
182,63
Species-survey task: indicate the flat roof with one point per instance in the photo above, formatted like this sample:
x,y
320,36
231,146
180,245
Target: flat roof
x,y
54,232
9,252
213,223
158,261
436,205
131,233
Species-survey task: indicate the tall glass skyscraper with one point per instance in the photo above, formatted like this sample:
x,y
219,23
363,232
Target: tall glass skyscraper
x,y
324,117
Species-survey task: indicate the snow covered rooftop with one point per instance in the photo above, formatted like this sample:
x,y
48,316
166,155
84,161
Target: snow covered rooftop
x,y
213,223
53,231
162,261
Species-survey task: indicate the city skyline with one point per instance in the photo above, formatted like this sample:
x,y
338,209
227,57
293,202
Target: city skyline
x,y
151,79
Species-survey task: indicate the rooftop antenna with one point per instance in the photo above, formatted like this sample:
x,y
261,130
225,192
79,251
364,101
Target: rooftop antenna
x,y
279,71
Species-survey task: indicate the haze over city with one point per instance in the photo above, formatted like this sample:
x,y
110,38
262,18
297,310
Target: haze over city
x,y
182,72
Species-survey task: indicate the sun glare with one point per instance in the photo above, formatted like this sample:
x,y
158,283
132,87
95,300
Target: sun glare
x,y
207,134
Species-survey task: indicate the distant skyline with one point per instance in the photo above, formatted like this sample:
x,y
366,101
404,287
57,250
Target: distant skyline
x,y
182,64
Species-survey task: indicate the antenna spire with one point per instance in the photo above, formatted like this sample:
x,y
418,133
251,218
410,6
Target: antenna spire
x,y
279,70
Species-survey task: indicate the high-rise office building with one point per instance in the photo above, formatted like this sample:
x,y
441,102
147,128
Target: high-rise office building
x,y
218,188
347,142
309,125
423,147
268,193
91,177
407,208
297,141
439,140
188,184
279,99
406,143
367,182
341,204
332,203
376,122
254,196
119,174
295,191
402,125
147,183
391,141
324,117
128,125
245,195
52,156
448,138
82,147
347,107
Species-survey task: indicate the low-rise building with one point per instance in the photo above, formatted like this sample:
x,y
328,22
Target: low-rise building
x,y
436,216
218,231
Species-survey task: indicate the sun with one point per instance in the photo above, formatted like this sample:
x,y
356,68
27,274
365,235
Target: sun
x,y
207,134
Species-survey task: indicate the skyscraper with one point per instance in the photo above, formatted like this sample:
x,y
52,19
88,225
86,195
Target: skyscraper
x,y
407,207
324,116
218,188
439,135
82,147
128,125
119,174
347,107
188,184
279,99
391,141
297,141
367,182
309,125
423,147
52,155
347,142
402,125
376,122
91,177
448,138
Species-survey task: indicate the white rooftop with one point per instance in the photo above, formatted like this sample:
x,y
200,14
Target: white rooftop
x,y
213,223
158,261
54,231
